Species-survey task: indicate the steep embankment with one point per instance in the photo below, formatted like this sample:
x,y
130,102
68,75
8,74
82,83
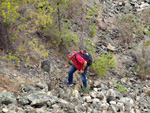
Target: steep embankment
x,y
30,89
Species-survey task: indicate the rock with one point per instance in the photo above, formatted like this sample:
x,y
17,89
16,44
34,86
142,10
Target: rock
x,y
45,65
6,98
101,95
97,83
25,71
63,101
43,86
93,94
5,110
101,25
77,87
146,38
95,100
79,109
111,48
39,33
38,99
144,5
128,102
26,88
53,99
89,110
110,95
75,94
147,91
23,100
41,110
105,106
87,99
121,107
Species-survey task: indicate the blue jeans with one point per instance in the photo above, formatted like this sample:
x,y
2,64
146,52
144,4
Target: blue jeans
x,y
83,75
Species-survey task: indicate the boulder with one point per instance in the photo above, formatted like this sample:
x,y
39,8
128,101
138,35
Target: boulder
x,y
6,98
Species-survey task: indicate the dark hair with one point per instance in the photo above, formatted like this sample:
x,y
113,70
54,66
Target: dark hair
x,y
68,52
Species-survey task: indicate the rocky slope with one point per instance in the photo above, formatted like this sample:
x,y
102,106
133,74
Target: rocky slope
x,y
31,90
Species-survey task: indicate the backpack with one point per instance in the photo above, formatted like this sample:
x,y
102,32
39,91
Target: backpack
x,y
86,56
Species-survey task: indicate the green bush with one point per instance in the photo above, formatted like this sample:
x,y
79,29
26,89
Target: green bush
x,y
103,63
121,88
92,30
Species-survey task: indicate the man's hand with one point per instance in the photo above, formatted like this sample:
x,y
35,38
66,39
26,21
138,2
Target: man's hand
x,y
66,66
81,71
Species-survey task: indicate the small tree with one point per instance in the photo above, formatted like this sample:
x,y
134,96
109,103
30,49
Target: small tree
x,y
103,63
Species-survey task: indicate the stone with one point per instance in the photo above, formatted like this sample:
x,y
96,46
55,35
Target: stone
x,y
101,95
121,106
23,100
97,83
124,80
101,25
38,99
144,5
75,94
113,107
5,110
105,106
77,87
147,91
110,95
6,98
45,65
87,99
111,48
43,86
95,100
93,94
127,101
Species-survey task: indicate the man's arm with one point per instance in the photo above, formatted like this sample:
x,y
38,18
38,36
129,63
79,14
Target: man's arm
x,y
84,65
67,63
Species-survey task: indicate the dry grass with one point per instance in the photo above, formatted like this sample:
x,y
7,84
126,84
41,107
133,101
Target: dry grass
x,y
8,84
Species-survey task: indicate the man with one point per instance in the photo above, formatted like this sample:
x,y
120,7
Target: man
x,y
78,64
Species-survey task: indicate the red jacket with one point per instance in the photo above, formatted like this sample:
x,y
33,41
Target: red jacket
x,y
80,61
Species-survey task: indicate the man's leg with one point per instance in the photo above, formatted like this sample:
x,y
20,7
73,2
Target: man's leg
x,y
70,73
83,77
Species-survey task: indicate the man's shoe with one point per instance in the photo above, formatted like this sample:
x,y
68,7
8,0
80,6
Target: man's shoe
x,y
68,84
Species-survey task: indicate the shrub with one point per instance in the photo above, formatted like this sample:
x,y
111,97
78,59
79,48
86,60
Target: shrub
x,y
130,27
142,53
103,63
121,88
92,30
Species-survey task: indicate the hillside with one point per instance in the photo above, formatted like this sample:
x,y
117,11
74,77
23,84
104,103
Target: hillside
x,y
34,36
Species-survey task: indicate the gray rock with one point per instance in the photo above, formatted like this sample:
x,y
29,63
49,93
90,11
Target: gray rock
x,y
23,100
45,65
5,110
111,95
127,101
75,94
101,95
38,99
95,101
111,48
43,86
121,106
87,99
144,5
6,98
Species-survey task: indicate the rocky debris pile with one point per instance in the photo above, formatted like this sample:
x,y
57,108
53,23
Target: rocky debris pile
x,y
103,97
